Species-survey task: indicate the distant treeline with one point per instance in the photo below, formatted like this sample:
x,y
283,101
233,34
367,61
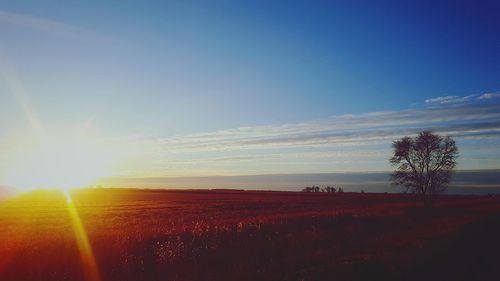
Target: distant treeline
x,y
328,189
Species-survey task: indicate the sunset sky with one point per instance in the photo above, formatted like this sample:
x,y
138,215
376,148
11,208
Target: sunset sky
x,y
197,88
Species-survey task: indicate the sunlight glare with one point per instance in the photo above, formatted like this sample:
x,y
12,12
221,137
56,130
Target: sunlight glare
x,y
62,163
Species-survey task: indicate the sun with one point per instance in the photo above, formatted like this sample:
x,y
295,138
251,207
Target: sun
x,y
61,163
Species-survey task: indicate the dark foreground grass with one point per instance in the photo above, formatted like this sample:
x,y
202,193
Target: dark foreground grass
x,y
241,235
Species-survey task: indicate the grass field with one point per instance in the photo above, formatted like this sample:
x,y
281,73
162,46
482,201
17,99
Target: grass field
x,y
127,234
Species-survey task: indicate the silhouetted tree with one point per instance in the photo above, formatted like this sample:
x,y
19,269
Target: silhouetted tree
x,y
424,163
329,189
314,188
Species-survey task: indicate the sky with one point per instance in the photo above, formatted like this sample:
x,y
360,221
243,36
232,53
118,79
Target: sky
x,y
200,88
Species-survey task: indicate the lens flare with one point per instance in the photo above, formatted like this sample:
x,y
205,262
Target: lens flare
x,y
89,264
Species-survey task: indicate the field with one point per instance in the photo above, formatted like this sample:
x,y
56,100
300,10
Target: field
x,y
127,234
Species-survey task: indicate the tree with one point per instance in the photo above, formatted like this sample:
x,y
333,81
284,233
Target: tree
x,y
424,164
329,189
311,189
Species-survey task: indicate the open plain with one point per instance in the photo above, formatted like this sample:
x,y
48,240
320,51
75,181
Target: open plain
x,y
128,234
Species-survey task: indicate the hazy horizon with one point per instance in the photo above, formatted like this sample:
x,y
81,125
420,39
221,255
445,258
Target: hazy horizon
x,y
463,182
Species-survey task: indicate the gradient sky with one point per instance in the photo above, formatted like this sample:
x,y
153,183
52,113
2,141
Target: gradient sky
x,y
190,88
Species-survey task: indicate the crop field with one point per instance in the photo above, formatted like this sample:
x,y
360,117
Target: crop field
x,y
128,234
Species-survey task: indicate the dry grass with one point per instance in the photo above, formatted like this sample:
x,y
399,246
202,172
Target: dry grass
x,y
234,235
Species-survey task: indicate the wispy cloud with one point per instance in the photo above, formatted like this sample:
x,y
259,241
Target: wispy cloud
x,y
341,143
487,96
45,25
48,26
448,100
460,121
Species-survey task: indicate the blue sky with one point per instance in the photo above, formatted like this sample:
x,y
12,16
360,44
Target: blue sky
x,y
254,87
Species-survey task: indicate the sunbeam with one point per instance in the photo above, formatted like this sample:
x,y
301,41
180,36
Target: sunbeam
x,y
89,264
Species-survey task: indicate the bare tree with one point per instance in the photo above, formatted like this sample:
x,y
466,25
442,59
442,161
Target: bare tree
x,y
329,189
424,163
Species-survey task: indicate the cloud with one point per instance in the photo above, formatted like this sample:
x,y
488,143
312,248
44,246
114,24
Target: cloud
x,y
350,142
450,99
222,160
478,120
48,26
487,96
45,25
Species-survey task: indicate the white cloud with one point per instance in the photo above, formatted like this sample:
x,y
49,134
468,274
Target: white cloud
x,y
370,128
487,96
450,99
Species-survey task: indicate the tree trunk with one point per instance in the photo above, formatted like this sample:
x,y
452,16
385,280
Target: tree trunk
x,y
428,200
